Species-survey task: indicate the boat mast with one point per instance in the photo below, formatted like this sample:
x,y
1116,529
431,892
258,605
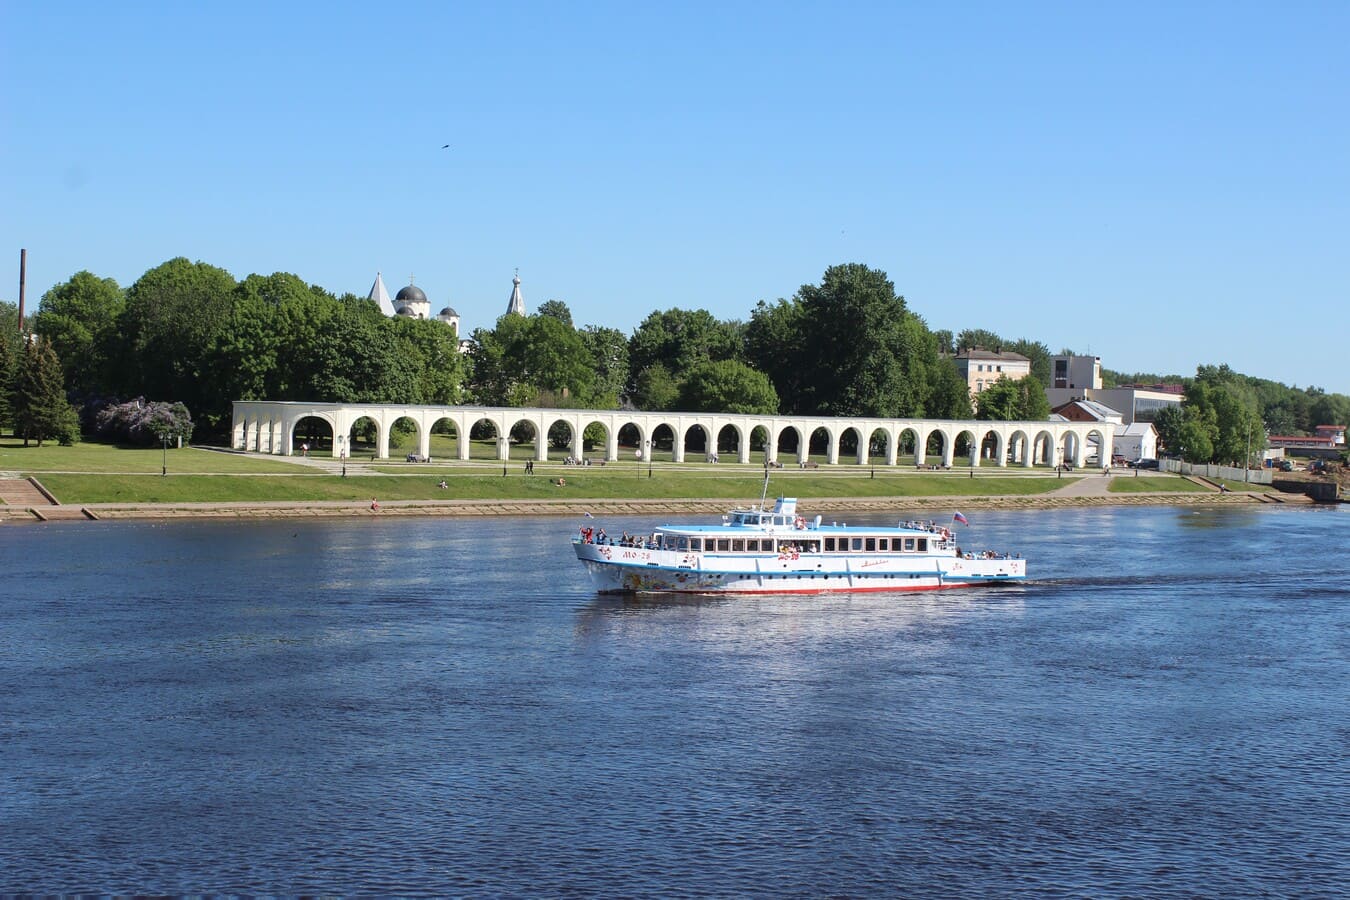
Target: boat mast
x,y
764,493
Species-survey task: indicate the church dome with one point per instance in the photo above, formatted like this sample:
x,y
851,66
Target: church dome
x,y
448,313
411,294
406,310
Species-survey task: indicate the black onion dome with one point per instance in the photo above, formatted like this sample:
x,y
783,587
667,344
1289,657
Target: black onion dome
x,y
449,311
411,294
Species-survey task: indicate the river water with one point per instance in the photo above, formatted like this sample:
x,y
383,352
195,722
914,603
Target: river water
x,y
445,706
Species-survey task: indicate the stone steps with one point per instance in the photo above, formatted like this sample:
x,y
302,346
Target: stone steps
x,y
22,492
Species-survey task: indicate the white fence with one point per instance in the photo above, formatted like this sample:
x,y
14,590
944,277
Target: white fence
x,y
1209,470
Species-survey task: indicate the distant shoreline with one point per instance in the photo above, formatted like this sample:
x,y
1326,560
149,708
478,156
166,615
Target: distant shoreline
x,y
610,507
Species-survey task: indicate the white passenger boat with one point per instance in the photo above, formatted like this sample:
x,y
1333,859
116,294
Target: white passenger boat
x,y
758,550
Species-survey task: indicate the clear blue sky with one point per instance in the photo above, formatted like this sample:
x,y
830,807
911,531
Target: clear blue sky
x,y
1162,185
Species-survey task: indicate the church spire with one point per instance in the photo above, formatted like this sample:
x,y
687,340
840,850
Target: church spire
x,y
517,303
381,296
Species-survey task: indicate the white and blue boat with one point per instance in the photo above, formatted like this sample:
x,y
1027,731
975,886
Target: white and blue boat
x,y
760,550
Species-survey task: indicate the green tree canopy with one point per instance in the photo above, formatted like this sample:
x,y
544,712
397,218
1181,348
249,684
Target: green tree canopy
x,y
1008,400
678,340
727,386
79,318
609,355
169,327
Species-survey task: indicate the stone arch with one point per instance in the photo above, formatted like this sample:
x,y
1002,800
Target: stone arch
x,y
1042,450
1070,448
315,431
596,434
820,443
875,443
487,440
364,436
695,443
662,436
908,442
795,443
732,439
1018,449
405,437
991,448
935,447
758,437
629,436
445,439
966,444
1102,439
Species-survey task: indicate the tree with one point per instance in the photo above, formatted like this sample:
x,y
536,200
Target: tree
x,y
1039,355
973,338
609,354
9,364
658,388
1169,423
38,399
556,309
531,360
1009,400
678,340
79,319
776,341
727,386
862,360
168,328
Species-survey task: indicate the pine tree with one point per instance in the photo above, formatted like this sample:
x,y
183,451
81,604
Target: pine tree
x,y
39,404
8,363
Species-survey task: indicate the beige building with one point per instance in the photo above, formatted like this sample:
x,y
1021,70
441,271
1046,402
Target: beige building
x,y
981,368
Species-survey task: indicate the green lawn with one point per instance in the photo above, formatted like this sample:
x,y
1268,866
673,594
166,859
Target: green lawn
x,y
102,473
95,457
471,482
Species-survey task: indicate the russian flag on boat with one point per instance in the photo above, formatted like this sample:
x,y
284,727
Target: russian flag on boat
x,y
960,518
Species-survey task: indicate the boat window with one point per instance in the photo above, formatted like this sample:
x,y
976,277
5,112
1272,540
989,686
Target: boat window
x,y
883,544
909,545
696,543
723,545
871,545
683,543
923,545
829,545
856,544
738,545
813,546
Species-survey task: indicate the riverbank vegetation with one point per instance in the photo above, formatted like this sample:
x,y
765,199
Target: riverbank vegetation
x,y
189,335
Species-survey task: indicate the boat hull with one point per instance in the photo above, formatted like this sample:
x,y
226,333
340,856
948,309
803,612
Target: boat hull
x,y
621,569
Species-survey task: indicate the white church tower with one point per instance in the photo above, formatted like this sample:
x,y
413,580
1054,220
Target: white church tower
x,y
517,303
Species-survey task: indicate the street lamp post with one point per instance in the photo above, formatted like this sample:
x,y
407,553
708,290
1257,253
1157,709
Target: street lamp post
x,y
342,453
1247,463
164,454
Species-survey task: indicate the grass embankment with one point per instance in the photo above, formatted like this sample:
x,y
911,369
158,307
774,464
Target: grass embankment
x,y
89,458
102,473
580,483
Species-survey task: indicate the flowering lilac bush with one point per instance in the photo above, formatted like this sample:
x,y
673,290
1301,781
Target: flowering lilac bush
x,y
142,421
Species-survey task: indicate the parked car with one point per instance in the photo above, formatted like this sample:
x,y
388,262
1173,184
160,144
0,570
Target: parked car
x,y
1144,462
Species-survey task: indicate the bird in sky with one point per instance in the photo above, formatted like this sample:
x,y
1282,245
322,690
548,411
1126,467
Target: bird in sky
x,y
445,146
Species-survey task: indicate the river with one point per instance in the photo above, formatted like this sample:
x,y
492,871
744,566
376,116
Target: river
x,y
445,706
